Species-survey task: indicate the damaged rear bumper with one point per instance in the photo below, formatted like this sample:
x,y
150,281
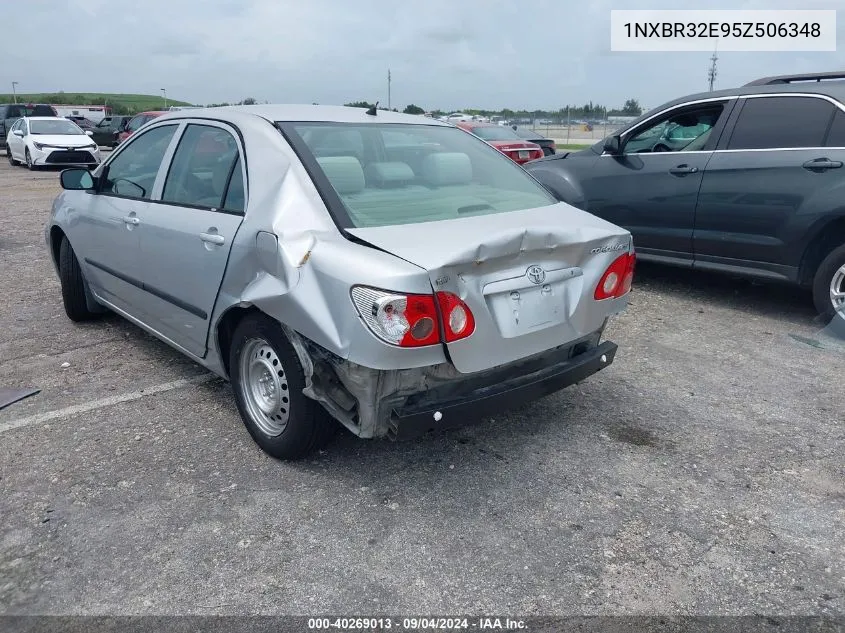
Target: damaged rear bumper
x,y
420,414
403,403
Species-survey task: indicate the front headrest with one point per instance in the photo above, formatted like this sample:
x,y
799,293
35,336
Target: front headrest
x,y
447,168
392,173
344,172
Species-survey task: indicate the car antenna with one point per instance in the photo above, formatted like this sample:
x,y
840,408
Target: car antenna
x,y
374,110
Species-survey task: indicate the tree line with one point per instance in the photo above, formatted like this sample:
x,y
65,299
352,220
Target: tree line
x,y
587,111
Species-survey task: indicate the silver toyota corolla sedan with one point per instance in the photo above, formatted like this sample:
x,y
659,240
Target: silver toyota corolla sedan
x,y
389,271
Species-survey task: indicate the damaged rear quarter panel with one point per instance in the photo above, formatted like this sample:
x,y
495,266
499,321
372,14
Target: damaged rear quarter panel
x,y
309,289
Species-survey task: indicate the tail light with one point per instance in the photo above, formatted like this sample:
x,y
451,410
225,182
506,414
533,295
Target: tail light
x,y
617,279
458,321
412,320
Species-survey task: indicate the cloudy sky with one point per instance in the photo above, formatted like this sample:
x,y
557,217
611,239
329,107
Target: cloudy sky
x,y
446,54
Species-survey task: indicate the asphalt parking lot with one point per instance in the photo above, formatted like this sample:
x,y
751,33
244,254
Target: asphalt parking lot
x,y
702,473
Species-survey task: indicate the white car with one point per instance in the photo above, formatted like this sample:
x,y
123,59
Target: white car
x,y
44,141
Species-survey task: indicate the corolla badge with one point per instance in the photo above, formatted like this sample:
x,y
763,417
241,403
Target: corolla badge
x,y
610,248
535,274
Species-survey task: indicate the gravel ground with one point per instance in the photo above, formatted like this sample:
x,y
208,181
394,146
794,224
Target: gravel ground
x,y
701,473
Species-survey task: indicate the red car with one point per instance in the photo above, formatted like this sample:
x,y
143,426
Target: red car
x,y
137,121
505,140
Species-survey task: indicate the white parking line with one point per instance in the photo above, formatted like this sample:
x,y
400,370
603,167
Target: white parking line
x,y
104,402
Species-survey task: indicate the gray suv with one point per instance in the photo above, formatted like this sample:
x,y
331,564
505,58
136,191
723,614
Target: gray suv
x,y
748,181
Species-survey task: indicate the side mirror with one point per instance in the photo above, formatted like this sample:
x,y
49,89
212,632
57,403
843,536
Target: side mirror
x,y
18,133
613,145
89,132
76,179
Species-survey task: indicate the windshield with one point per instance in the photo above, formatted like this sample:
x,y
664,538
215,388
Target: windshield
x,y
393,174
495,133
63,127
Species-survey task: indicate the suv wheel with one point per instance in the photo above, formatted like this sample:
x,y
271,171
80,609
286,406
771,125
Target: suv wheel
x,y
829,289
268,380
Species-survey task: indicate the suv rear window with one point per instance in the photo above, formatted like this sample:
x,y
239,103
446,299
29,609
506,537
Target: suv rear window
x,y
437,173
781,122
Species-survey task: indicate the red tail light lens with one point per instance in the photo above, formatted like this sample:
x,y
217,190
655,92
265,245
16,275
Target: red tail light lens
x,y
412,320
458,321
421,316
617,279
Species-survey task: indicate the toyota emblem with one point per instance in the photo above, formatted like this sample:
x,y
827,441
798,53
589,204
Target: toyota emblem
x,y
535,274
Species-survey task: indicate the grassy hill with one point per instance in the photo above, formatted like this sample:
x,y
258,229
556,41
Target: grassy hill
x,y
121,103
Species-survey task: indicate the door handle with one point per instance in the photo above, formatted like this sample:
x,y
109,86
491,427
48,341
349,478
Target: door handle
x,y
823,163
683,169
213,238
132,220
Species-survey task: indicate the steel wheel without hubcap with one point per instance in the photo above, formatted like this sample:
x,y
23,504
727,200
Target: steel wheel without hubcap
x,y
837,292
264,387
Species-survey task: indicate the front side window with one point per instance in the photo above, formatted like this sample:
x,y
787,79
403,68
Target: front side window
x,y
61,127
443,174
781,122
133,171
681,130
201,166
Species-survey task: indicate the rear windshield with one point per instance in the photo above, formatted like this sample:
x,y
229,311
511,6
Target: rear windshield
x,y
391,174
495,133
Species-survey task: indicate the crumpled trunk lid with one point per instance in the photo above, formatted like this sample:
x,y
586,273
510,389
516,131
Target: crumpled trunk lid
x,y
528,276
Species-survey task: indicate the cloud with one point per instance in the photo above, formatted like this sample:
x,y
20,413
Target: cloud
x,y
441,53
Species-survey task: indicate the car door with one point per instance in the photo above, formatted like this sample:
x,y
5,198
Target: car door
x,y
103,132
189,229
768,172
106,230
651,186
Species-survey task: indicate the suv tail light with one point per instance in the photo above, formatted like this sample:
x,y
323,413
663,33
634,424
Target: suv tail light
x,y
617,279
412,320
458,321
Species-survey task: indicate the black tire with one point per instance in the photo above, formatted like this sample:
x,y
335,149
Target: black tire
x,y
821,290
12,161
29,163
73,286
308,424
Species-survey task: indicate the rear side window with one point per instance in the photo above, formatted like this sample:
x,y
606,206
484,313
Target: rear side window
x,y
199,172
137,122
781,122
836,135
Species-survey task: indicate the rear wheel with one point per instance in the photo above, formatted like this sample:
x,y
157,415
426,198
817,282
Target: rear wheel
x,y
73,286
268,380
829,290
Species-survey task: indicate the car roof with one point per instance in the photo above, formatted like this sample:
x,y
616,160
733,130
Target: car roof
x,y
479,124
46,118
302,113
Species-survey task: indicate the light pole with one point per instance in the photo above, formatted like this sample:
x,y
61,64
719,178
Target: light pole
x,y
164,92
14,91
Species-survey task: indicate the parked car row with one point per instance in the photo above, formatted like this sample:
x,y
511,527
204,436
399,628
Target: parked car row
x,y
397,274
